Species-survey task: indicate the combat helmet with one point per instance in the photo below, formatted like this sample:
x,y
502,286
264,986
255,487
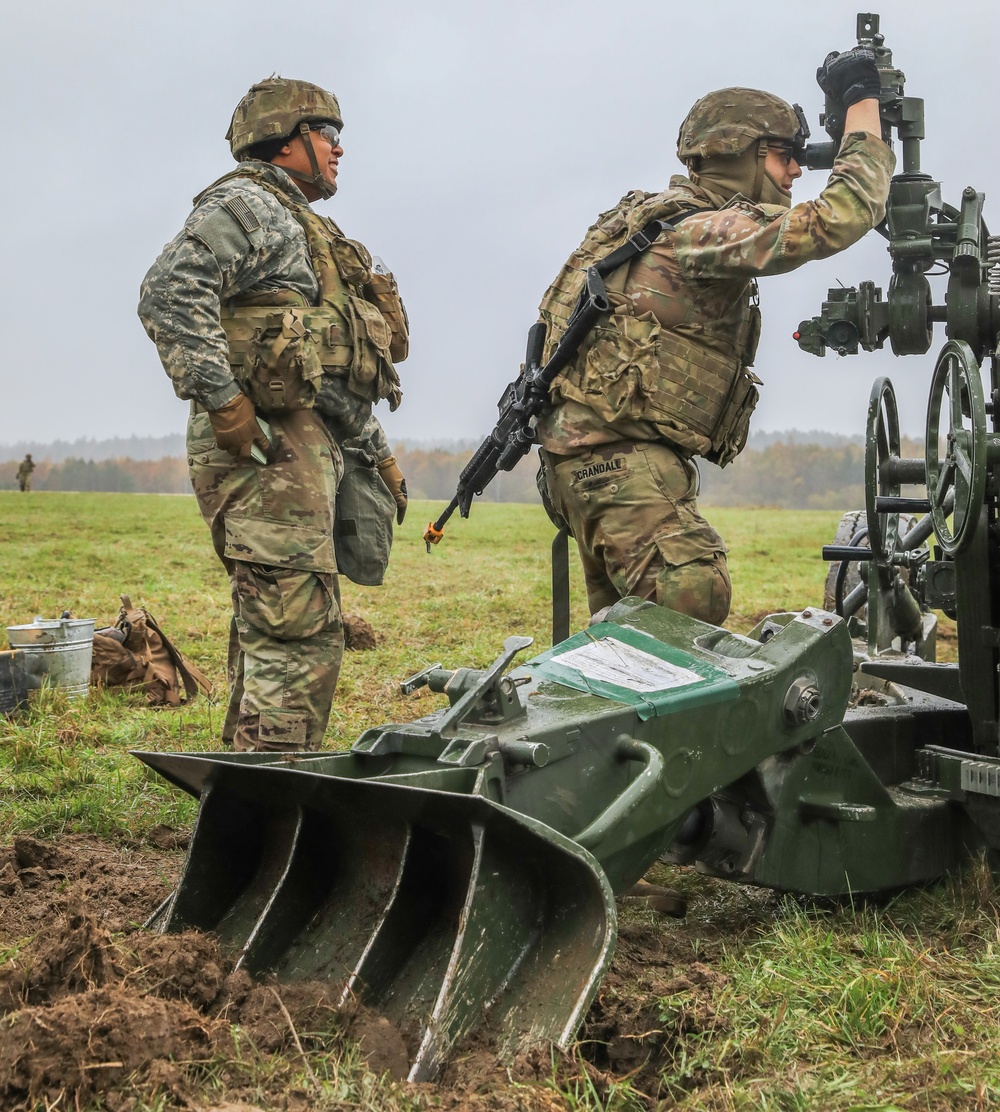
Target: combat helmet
x,y
727,122
278,107
725,137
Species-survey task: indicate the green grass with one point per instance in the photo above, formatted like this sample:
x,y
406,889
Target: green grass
x,y
867,1007
68,768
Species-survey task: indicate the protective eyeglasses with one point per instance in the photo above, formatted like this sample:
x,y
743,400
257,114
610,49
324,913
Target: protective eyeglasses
x,y
787,150
330,133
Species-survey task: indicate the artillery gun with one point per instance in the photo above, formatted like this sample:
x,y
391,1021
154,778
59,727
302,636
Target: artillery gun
x,y
460,870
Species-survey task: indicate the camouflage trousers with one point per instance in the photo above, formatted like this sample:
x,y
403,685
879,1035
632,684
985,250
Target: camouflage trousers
x,y
632,508
272,527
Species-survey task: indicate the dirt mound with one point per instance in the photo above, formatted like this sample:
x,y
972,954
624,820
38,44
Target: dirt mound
x,y
94,1008
86,1042
358,634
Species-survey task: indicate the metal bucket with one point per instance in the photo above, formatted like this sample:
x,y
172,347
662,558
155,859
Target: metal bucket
x,y
13,681
57,651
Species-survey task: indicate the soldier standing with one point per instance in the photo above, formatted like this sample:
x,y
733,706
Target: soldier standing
x,y
24,470
283,333
667,375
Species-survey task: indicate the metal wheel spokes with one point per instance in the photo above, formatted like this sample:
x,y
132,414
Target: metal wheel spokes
x,y
955,446
881,450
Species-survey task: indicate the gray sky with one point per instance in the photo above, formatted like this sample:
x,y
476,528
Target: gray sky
x,y
481,140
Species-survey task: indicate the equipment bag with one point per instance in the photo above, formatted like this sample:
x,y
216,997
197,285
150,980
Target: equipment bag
x,y
362,531
135,654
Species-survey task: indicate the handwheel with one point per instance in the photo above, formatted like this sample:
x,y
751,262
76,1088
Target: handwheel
x,y
962,468
881,447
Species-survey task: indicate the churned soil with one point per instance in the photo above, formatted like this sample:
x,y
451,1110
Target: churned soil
x,y
359,635
96,1011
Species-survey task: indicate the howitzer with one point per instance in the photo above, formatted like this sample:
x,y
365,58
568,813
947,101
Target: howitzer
x,y
525,399
460,870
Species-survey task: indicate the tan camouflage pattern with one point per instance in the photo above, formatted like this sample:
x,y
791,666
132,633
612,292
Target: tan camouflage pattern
x,y
274,108
633,511
349,334
727,121
616,438
695,284
211,261
272,528
214,261
272,525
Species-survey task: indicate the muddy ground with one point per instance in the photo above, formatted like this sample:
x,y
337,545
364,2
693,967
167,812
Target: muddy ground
x,y
97,1011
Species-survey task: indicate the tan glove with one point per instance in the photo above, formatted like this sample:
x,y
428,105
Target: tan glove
x,y
393,479
236,428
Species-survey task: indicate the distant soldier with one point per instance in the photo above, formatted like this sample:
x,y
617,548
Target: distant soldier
x,y
666,376
283,333
24,470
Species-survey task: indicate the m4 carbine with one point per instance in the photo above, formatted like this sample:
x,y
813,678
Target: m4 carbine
x,y
525,399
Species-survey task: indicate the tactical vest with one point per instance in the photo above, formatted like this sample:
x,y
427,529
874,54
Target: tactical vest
x,y
280,346
632,368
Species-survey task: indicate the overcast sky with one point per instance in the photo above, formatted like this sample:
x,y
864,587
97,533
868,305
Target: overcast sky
x,y
480,141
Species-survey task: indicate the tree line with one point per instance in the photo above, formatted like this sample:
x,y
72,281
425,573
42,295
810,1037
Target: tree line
x,y
785,474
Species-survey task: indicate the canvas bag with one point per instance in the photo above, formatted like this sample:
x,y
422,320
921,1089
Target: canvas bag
x,y
135,653
362,531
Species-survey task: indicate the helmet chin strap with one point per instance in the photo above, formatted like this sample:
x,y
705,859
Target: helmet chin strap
x,y
758,178
317,181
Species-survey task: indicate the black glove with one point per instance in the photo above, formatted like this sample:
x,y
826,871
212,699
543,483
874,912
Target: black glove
x,y
851,76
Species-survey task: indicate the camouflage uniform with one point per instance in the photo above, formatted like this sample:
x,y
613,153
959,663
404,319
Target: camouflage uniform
x,y
24,471
272,526
618,441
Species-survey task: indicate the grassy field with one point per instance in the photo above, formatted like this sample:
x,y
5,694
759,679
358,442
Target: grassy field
x,y
876,1006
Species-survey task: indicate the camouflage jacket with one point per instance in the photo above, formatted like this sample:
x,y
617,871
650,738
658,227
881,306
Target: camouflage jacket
x,y
693,290
213,259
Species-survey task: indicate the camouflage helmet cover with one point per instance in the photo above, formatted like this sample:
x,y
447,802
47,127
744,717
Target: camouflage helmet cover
x,y
725,123
274,108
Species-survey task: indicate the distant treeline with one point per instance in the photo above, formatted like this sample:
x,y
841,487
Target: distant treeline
x,y
788,473
86,448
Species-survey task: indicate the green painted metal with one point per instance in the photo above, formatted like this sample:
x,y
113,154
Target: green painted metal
x,y
473,855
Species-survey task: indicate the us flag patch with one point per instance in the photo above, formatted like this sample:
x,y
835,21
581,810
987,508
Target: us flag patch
x,y
242,213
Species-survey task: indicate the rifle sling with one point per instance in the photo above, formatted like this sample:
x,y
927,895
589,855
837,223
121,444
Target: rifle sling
x,y
642,241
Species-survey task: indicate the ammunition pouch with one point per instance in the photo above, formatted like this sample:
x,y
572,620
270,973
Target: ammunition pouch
x,y
698,398
362,531
372,375
383,292
278,358
276,355
733,427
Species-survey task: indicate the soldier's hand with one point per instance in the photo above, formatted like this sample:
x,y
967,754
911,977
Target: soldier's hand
x,y
393,479
851,76
236,428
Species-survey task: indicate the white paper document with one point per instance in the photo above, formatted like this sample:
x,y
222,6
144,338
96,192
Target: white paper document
x,y
608,660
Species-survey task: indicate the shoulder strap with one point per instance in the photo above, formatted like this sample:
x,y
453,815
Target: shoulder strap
x,y
642,240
